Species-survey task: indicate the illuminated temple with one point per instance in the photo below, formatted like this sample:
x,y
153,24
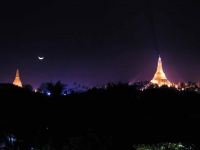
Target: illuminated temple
x,y
159,77
17,80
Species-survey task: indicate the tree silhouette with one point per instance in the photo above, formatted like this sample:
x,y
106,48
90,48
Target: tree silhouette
x,y
56,89
28,86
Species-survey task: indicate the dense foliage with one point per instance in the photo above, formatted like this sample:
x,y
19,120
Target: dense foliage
x,y
165,146
116,117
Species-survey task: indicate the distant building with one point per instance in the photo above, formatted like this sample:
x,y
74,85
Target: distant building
x,y
159,77
17,80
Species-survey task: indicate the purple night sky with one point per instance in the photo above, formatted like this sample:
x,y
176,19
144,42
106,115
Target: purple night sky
x,y
93,42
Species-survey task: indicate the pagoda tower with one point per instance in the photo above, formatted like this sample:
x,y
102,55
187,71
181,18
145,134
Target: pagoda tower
x,y
159,77
17,80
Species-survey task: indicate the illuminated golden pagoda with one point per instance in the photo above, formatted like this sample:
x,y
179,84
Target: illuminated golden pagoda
x,y
17,80
159,77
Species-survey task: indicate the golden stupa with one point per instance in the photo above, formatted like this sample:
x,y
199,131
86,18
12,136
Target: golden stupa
x,y
159,77
17,80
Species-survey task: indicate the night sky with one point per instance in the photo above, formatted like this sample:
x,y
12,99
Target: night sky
x,y
93,42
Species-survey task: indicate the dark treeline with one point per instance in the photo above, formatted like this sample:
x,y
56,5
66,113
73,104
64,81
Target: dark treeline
x,y
113,118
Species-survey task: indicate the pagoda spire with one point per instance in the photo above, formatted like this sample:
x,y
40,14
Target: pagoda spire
x,y
17,80
17,73
159,67
159,77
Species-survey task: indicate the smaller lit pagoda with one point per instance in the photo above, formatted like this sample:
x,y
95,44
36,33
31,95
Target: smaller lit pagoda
x,y
17,80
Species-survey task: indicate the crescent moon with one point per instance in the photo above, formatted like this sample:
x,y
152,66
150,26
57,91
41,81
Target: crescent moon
x,y
40,57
